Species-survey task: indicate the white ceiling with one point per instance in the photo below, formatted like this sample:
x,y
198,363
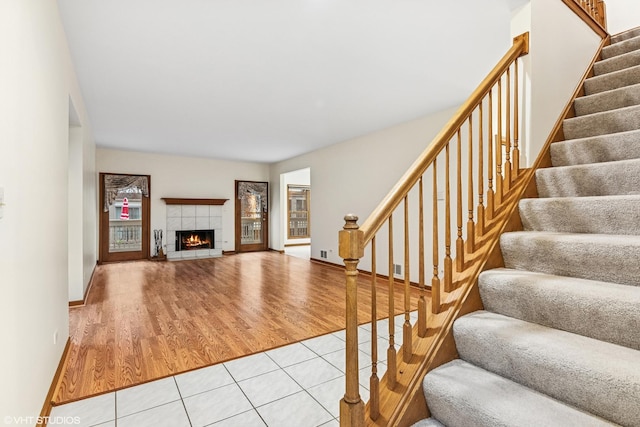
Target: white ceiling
x,y
264,81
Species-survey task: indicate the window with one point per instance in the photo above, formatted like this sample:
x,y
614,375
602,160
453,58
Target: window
x,y
298,212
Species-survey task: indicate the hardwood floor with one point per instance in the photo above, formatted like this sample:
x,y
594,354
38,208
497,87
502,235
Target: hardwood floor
x,y
147,320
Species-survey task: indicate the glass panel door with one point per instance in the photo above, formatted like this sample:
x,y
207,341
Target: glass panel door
x,y
252,216
124,217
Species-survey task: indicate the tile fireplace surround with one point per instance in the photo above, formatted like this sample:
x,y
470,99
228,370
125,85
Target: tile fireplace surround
x,y
193,217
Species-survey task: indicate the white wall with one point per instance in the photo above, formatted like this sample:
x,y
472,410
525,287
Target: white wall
x,y
82,212
561,48
298,177
622,15
354,176
189,177
89,209
75,212
36,82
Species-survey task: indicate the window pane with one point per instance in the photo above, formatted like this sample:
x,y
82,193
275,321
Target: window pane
x,y
125,221
299,212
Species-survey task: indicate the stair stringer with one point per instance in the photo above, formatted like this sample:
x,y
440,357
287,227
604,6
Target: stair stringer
x,y
439,347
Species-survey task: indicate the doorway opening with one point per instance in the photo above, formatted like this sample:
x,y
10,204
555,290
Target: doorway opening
x,y
295,194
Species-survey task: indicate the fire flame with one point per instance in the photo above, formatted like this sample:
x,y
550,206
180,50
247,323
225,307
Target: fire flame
x,y
194,240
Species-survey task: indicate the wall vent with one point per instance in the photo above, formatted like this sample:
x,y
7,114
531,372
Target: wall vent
x,y
397,269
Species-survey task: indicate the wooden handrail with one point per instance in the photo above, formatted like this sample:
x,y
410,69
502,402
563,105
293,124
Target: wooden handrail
x,y
379,216
592,12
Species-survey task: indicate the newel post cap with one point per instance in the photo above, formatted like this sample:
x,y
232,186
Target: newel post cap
x,y
351,239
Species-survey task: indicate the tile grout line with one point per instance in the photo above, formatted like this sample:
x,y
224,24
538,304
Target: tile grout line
x,y
245,395
182,401
303,388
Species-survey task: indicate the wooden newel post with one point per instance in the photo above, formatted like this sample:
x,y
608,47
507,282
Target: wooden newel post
x,y
351,249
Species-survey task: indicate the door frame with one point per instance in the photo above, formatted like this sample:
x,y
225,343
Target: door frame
x,y
264,246
103,234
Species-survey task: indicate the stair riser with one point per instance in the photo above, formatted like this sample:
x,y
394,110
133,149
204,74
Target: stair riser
x,y
598,215
622,120
606,101
600,179
577,370
610,81
599,310
607,259
621,48
603,148
617,63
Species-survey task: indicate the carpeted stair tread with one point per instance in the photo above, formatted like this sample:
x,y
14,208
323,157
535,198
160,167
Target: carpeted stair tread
x,y
592,375
428,422
595,214
603,257
625,35
620,62
621,47
597,149
604,122
461,394
599,310
613,80
610,100
595,179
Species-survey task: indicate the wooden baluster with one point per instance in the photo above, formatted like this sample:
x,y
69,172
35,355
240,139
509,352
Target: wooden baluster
x,y
507,162
448,267
499,179
391,351
351,250
480,218
459,241
422,302
602,13
490,193
435,281
516,124
374,381
471,227
407,344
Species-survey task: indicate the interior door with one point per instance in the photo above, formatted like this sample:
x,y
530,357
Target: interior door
x,y
252,216
124,217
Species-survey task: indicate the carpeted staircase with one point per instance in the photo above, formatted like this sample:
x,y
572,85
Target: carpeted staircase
x,y
558,343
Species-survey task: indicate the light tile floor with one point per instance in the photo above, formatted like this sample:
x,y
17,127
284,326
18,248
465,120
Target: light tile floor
x,y
297,385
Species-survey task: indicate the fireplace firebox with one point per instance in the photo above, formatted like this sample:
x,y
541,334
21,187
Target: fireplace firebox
x,y
187,240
